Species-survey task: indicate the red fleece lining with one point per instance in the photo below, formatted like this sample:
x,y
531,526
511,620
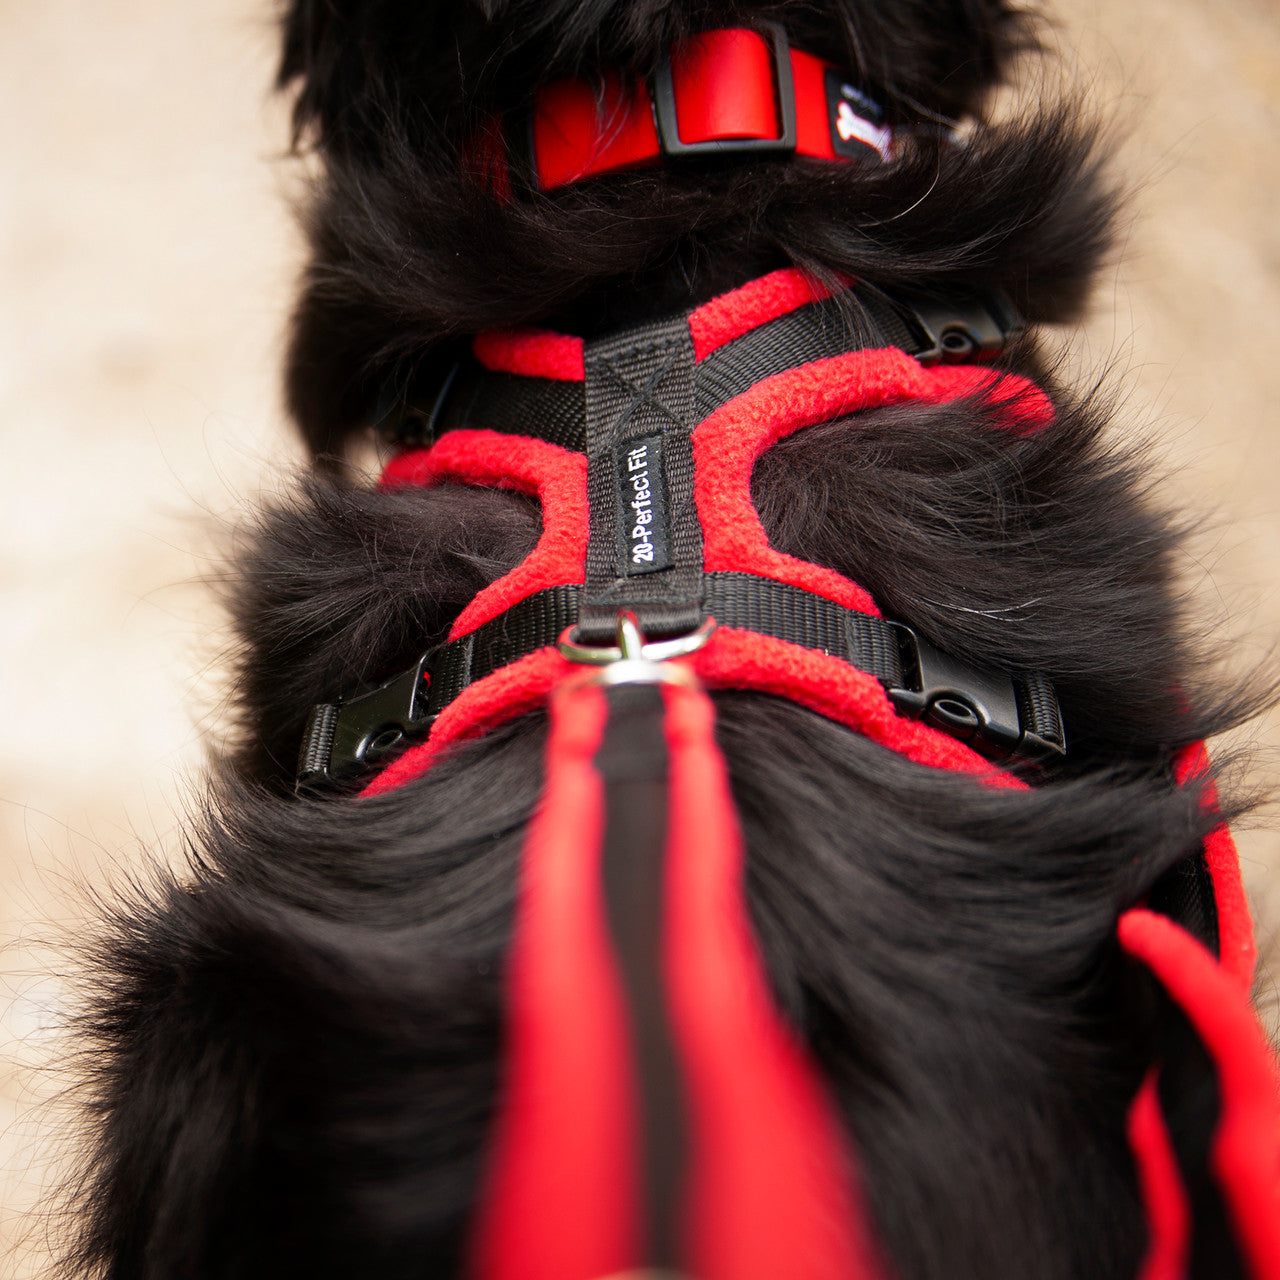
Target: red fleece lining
x,y
557,476
1236,944
507,693
1245,1154
732,314
532,353
731,659
751,1090
734,659
1160,1183
565,1136
727,445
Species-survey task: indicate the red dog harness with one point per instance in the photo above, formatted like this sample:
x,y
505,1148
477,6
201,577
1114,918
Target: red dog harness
x,y
657,1112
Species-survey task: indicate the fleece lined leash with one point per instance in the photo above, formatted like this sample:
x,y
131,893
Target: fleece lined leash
x,y
657,1113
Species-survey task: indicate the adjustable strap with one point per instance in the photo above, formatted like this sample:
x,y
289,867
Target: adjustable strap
x,y
463,394
1006,716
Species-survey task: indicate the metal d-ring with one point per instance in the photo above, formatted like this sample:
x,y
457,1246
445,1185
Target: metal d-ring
x,y
633,660
632,646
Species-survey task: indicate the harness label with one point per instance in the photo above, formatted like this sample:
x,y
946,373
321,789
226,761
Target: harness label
x,y
642,506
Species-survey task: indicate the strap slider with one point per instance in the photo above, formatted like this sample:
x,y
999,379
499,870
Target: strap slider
x,y
664,103
996,713
344,739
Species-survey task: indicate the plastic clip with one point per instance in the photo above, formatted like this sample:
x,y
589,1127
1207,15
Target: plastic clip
x,y
1000,715
343,740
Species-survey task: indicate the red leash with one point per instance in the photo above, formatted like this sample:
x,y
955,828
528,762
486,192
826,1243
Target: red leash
x,y
766,1186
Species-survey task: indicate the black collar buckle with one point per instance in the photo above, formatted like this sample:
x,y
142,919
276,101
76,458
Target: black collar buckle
x,y
1003,716
664,109
344,739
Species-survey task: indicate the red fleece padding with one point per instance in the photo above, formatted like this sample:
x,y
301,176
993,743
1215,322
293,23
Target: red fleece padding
x,y
561,1197
1237,947
772,1192
1160,1184
734,659
557,476
1245,1154
727,444
532,353
732,314
731,659
511,691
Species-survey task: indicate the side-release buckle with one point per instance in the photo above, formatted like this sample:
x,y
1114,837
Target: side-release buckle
x,y
346,738
1001,715
408,416
970,329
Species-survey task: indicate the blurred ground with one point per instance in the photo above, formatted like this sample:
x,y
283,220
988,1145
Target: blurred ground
x,y
146,263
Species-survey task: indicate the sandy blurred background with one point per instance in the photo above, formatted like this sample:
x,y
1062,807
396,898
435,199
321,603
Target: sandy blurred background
x,y
146,263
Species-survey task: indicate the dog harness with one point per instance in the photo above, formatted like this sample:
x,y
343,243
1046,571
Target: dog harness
x,y
657,1114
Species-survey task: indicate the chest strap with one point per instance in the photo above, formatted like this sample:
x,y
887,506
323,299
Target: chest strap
x,y
546,398
1003,715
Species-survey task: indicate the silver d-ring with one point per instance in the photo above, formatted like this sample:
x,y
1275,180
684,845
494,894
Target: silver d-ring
x,y
632,645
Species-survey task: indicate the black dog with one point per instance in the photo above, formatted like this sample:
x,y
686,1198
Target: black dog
x,y
300,1045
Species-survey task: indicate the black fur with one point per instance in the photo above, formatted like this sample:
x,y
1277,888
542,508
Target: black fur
x,y
297,1045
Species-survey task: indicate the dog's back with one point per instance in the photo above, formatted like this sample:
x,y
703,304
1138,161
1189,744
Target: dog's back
x,y
302,1042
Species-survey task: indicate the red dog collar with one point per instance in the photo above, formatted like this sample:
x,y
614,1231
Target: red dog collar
x,y
733,92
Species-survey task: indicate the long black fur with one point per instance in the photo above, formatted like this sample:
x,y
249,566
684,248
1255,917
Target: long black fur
x,y
297,1044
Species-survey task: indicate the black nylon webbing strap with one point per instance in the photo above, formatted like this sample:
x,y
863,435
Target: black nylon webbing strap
x,y
468,396
533,624
901,661
814,332
640,411
546,408
785,612
1038,707
739,600
633,765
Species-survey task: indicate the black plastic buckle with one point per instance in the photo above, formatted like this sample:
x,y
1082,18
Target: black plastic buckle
x,y
973,329
344,739
402,419
664,109
981,706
